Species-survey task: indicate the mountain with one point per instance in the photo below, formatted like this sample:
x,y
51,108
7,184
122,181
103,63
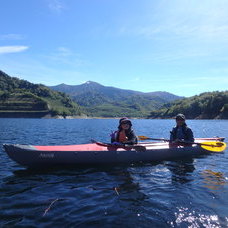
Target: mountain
x,y
210,105
106,101
20,98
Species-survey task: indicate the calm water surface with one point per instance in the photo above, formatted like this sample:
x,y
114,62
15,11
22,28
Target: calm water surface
x,y
189,193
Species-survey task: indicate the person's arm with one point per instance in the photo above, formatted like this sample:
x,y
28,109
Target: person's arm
x,y
171,138
113,136
190,135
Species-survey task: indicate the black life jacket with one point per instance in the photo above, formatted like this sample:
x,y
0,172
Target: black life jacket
x,y
184,130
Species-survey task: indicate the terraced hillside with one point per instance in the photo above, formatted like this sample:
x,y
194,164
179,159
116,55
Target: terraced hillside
x,y
20,98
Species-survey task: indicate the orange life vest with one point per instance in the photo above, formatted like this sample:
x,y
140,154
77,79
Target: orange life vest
x,y
122,136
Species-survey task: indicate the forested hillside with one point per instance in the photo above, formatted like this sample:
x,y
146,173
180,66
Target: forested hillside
x,y
211,105
106,101
21,98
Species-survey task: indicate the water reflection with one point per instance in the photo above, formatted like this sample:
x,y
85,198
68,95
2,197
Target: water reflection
x,y
213,180
181,170
125,183
76,191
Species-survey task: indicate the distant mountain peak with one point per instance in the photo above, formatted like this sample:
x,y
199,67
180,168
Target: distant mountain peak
x,y
88,82
91,83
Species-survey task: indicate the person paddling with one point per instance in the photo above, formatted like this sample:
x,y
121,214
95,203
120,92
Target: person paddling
x,y
181,132
125,134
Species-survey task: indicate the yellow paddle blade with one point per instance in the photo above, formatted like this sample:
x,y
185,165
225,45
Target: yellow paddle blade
x,y
213,146
142,137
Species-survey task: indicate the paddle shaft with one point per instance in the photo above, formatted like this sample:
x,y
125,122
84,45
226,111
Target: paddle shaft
x,y
186,142
141,137
218,144
167,140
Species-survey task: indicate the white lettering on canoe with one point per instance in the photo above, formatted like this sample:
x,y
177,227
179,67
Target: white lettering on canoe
x,y
49,155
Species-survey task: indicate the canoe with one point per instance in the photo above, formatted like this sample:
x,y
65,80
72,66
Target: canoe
x,y
102,153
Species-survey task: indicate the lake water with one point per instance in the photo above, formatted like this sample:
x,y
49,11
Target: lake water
x,y
189,193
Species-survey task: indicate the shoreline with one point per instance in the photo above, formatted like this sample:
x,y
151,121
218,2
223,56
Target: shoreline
x,y
46,115
91,117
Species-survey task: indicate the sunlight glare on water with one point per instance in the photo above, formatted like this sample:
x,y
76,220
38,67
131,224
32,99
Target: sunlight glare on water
x,y
192,219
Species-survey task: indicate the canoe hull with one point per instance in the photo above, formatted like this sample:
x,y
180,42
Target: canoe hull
x,y
33,156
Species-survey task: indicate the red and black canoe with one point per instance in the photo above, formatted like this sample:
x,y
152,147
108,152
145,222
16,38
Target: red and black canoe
x,y
103,153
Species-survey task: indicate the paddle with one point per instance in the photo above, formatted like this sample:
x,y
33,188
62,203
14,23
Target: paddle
x,y
213,146
137,148
142,137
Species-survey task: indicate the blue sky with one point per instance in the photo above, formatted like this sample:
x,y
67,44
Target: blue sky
x,y
178,46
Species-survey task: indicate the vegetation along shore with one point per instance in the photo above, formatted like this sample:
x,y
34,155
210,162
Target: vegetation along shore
x,y
22,99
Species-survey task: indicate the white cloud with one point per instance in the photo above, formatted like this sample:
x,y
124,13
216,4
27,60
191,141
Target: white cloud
x,y
56,5
63,51
39,71
12,49
66,57
181,21
136,79
12,36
